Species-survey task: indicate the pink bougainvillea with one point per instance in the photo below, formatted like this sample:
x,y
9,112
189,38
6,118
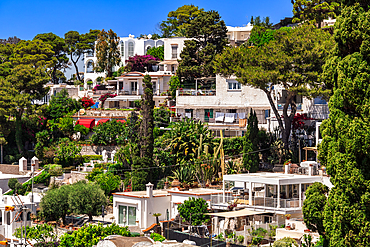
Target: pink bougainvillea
x,y
140,63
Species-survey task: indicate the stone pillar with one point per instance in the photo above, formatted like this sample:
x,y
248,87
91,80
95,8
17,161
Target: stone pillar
x,y
105,156
112,155
22,164
310,170
35,163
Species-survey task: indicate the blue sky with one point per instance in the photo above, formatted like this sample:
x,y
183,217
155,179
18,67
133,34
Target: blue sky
x,y
25,19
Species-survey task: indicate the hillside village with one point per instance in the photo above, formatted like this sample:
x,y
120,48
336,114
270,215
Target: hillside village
x,y
202,134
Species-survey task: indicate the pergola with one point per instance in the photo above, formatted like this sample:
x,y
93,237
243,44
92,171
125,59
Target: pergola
x,y
251,179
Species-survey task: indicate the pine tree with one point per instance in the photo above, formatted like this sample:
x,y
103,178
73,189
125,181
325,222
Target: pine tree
x,y
345,150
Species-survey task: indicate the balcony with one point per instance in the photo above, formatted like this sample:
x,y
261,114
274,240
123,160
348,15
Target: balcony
x,y
193,92
257,201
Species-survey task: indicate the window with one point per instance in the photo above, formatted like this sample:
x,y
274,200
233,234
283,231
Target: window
x,y
147,48
8,218
208,113
130,49
122,49
154,87
90,67
134,86
127,215
234,85
174,51
90,54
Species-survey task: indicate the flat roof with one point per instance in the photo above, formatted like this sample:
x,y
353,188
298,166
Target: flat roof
x,y
272,178
196,191
142,194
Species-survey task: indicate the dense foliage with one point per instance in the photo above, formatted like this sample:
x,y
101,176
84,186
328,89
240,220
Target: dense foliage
x,y
250,155
194,211
208,33
141,63
90,235
292,61
79,198
110,132
157,52
345,146
61,104
107,52
313,207
178,20
142,176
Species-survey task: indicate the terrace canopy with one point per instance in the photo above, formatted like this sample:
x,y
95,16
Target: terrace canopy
x,y
239,213
88,123
101,121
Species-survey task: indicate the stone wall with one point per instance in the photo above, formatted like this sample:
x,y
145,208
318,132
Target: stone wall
x,y
78,176
9,169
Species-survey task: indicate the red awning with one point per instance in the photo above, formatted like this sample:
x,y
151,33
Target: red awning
x,y
88,123
102,121
121,120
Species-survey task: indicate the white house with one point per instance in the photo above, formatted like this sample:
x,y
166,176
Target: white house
x,y
137,208
128,47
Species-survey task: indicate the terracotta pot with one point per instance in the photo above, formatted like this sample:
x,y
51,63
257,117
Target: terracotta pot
x,y
288,228
175,183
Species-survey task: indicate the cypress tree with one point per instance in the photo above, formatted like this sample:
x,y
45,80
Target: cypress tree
x,y
141,175
345,150
250,160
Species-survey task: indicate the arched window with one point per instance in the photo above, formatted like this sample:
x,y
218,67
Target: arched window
x,y
90,67
131,49
122,49
147,48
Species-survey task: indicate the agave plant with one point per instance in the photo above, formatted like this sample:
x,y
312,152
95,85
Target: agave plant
x,y
185,174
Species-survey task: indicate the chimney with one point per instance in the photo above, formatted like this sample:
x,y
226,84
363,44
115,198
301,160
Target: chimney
x,y
149,190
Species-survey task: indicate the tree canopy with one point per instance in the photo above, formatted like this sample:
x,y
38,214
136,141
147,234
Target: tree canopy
x,y
194,211
178,20
314,10
78,44
346,134
107,52
59,48
292,62
208,38
313,207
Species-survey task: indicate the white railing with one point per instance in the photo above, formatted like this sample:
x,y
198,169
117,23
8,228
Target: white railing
x,y
193,92
267,202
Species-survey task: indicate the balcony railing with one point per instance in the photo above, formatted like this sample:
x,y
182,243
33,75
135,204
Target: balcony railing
x,y
281,107
266,202
193,92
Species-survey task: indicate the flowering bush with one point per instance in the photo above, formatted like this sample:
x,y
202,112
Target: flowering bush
x,y
104,97
139,63
87,102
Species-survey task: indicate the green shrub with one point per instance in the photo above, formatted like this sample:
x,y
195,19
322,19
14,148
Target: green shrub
x,y
80,128
90,235
157,237
88,158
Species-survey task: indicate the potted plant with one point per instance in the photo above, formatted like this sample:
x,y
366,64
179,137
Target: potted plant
x,y
288,216
288,227
156,215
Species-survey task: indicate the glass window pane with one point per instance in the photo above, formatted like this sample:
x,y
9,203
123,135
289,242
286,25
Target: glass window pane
x,y
131,216
122,215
